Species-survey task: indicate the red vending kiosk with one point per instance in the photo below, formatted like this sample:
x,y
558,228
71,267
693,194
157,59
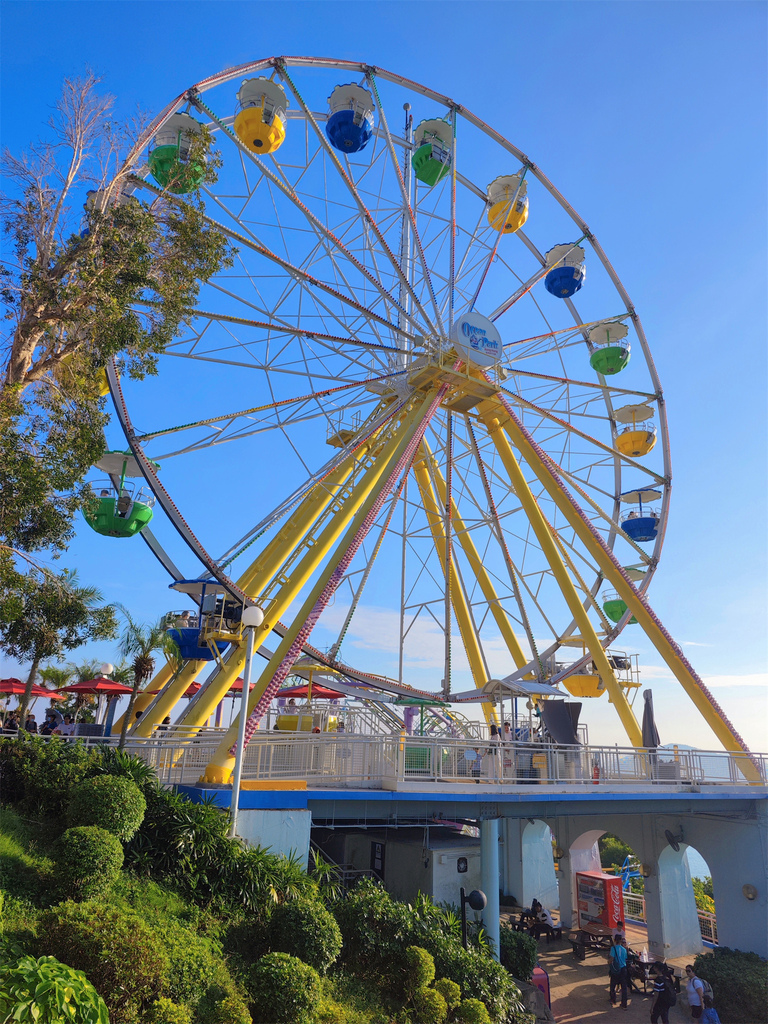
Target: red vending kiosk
x,y
599,899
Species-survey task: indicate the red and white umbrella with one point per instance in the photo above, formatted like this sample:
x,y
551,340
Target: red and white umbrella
x,y
15,687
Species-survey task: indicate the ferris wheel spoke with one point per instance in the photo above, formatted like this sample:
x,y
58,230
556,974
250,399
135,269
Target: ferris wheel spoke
x,y
407,205
626,459
611,389
281,325
290,192
354,192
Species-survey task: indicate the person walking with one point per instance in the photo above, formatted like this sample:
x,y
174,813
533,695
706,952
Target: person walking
x,y
694,989
664,994
617,972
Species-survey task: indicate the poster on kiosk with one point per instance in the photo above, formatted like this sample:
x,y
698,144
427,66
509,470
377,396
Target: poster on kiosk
x,y
599,899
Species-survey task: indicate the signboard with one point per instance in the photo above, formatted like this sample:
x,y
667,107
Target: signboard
x,y
476,339
377,859
599,898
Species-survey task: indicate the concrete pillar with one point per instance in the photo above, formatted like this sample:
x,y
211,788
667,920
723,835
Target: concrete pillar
x,y
489,872
512,874
528,867
278,831
737,855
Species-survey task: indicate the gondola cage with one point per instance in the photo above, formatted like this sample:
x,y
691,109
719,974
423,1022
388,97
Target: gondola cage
x,y
350,118
508,198
169,155
568,270
260,120
431,160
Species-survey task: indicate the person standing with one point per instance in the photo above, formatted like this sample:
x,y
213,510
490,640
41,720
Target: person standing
x,y
662,984
694,989
493,754
709,1014
617,972
30,725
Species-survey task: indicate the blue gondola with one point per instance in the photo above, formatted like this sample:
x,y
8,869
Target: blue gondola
x,y
188,641
568,270
641,525
350,122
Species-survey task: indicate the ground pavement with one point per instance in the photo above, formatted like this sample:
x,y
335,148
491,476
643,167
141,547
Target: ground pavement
x,y
579,988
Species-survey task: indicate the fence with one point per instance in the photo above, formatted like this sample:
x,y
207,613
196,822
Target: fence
x,y
634,910
349,760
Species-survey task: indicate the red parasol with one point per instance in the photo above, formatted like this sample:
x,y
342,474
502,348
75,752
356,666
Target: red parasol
x,y
190,691
323,692
15,687
97,686
237,686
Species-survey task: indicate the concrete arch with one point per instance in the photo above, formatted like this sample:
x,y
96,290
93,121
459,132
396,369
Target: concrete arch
x,y
677,904
528,862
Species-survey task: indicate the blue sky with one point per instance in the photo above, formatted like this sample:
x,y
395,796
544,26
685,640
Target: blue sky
x,y
651,120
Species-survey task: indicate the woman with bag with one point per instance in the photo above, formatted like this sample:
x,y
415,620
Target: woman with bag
x,y
617,971
694,989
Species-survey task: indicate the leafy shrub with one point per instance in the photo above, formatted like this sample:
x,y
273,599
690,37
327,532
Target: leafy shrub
x,y
88,860
33,991
122,957
307,931
192,962
430,1006
450,992
39,774
471,1011
518,952
283,990
418,969
116,805
375,928
223,1003
739,982
165,1011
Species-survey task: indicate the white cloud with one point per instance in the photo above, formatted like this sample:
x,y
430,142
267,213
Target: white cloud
x,y
756,679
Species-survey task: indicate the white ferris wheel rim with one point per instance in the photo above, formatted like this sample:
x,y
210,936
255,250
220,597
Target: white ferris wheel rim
x,y
214,565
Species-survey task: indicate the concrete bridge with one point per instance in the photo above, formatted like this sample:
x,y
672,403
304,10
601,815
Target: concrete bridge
x,y
701,798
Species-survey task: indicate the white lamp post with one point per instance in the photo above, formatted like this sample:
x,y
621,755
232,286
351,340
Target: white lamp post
x,y
106,670
252,618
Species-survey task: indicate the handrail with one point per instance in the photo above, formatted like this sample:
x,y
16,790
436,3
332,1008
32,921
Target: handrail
x,y
356,761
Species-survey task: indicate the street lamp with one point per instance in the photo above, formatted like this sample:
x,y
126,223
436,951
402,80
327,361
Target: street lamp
x,y
477,901
251,619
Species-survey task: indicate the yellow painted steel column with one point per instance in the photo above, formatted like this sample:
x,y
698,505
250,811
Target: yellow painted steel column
x,y
486,585
639,607
301,573
458,597
220,767
145,699
258,574
547,543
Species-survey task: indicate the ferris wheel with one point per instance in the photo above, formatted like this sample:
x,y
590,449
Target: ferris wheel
x,y
420,396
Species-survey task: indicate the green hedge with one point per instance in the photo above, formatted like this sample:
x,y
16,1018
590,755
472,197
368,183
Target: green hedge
x,y
518,952
306,930
122,957
283,990
116,805
430,1006
739,984
88,860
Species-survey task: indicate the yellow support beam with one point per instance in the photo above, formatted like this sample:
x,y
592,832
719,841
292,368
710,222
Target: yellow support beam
x,y
484,580
300,574
459,601
254,579
489,415
614,574
145,699
220,767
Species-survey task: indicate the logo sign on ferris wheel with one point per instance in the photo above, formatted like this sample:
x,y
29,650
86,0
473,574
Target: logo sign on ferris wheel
x,y
476,338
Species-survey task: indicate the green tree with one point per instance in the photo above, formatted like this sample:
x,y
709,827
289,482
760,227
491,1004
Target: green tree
x,y
78,290
140,642
56,617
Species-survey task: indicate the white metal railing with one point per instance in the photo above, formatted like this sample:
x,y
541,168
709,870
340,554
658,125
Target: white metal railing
x,y
361,761
634,910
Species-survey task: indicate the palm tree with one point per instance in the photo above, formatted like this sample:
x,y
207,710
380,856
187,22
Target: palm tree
x,y
139,643
84,671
